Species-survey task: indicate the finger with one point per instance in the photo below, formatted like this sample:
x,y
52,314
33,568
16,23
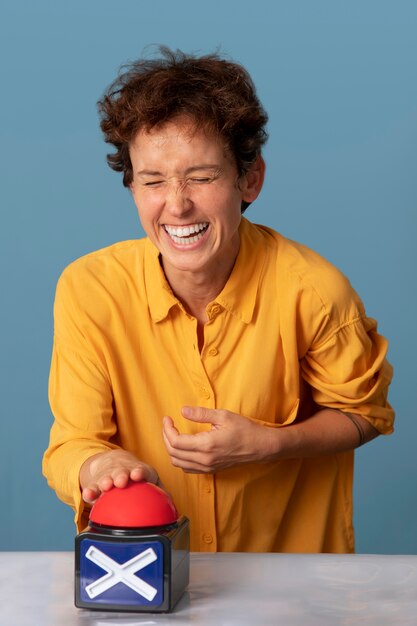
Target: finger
x,y
176,441
105,483
168,426
191,466
121,479
201,414
137,474
195,458
144,473
117,478
90,494
169,431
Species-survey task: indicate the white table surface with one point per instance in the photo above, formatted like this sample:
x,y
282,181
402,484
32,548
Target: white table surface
x,y
37,589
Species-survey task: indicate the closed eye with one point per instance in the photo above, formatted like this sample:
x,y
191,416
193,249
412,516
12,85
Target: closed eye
x,y
201,180
153,183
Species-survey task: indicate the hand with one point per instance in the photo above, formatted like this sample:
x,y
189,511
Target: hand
x,y
233,439
115,468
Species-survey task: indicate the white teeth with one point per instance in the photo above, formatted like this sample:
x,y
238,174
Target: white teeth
x,y
182,234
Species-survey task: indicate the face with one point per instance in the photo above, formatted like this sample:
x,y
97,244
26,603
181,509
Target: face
x,y
186,188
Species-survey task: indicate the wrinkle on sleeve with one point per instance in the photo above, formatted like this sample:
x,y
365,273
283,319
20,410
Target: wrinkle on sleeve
x,y
349,371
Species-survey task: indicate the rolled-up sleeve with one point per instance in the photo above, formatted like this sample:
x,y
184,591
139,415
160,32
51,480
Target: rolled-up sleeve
x,y
349,371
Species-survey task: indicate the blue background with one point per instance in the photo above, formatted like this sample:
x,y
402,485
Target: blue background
x,y
339,82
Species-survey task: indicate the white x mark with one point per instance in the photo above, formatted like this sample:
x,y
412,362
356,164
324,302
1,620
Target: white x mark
x,y
124,573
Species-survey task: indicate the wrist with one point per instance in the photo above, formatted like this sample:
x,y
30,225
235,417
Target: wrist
x,y
272,443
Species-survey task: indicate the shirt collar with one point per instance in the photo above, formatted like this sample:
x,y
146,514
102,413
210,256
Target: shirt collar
x,y
238,295
159,293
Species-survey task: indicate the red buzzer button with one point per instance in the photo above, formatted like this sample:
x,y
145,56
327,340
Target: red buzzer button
x,y
136,506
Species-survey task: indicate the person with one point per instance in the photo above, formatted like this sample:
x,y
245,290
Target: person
x,y
214,357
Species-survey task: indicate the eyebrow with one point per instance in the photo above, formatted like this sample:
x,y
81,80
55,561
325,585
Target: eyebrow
x,y
189,170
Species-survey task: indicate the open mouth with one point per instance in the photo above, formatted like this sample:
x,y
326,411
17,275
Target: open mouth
x,y
186,235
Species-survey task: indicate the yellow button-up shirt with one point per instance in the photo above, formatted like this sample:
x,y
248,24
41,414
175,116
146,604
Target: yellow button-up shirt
x,y
285,336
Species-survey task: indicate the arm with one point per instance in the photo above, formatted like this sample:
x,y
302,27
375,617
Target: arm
x,y
234,439
84,456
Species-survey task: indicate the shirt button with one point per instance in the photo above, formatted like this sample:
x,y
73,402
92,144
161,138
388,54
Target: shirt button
x,y
205,393
207,538
213,310
213,351
207,488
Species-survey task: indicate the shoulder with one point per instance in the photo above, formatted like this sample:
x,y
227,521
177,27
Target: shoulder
x,y
91,289
109,264
100,279
305,268
311,271
313,290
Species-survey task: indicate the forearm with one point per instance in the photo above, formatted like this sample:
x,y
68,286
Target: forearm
x,y
326,432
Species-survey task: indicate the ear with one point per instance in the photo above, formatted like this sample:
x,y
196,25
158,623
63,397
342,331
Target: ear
x,y
251,183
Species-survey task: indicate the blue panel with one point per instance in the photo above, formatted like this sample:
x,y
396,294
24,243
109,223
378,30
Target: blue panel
x,y
122,573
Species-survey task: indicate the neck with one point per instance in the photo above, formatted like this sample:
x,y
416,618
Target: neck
x,y
196,289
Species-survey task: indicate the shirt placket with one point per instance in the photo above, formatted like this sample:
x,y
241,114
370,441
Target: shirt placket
x,y
207,399
207,482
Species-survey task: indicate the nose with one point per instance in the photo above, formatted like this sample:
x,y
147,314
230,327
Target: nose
x,y
178,200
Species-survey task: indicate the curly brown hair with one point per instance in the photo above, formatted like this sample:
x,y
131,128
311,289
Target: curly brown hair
x,y
217,94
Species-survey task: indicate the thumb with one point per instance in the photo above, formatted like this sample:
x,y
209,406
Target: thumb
x,y
200,414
